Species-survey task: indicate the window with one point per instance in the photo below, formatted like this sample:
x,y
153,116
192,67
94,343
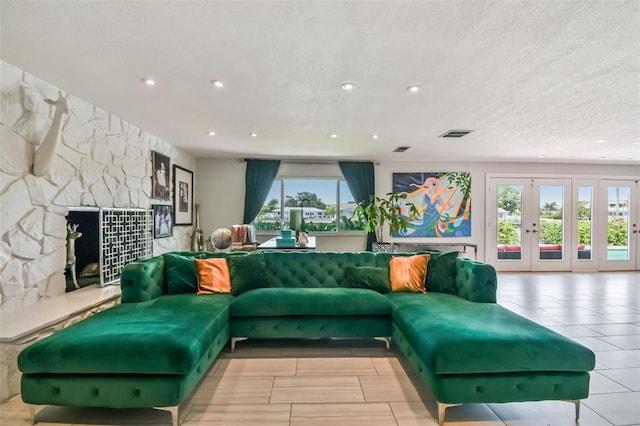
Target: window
x,y
326,205
585,221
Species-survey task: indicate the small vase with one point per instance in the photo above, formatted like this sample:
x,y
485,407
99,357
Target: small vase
x,y
303,240
197,241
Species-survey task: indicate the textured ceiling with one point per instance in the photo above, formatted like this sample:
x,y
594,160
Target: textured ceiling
x,y
531,79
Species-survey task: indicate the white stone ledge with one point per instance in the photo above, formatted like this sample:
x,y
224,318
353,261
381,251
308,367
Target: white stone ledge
x,y
21,327
17,325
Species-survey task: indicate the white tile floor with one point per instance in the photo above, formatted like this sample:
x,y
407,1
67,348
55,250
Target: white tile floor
x,y
353,383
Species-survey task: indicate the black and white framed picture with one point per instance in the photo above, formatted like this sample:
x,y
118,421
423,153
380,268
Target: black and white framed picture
x,y
182,195
161,176
162,220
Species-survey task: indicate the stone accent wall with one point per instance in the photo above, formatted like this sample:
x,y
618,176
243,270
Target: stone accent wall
x,y
102,161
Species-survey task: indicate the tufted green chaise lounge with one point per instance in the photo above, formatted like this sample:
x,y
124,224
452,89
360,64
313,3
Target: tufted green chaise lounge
x,y
154,348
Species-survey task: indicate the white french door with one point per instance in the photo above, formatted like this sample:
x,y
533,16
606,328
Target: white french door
x,y
619,211
529,224
585,226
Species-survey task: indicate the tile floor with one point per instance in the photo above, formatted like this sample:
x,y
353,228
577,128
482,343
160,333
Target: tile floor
x,y
343,382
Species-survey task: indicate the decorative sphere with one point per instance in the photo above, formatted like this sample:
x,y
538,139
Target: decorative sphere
x,y
221,238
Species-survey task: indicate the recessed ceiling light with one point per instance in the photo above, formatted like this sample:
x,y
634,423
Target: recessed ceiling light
x,y
333,136
211,133
347,86
148,81
217,83
414,88
635,143
374,136
601,141
253,135
540,156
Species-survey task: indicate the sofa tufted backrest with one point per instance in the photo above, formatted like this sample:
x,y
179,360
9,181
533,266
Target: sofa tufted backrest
x,y
146,279
476,281
313,269
143,280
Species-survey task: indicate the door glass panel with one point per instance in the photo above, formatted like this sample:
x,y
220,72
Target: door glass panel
x,y
551,229
585,222
509,222
618,222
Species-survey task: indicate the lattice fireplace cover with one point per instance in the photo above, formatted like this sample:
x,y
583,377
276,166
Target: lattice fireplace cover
x,y
126,235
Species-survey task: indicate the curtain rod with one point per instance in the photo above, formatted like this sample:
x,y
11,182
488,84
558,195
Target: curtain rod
x,y
301,161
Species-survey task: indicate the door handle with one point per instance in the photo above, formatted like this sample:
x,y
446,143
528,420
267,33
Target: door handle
x,y
527,231
534,231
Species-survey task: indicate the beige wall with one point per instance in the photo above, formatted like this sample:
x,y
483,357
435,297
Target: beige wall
x,y
220,190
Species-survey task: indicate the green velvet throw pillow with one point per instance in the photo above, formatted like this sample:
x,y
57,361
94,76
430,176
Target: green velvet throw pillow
x,y
441,272
180,272
248,272
369,277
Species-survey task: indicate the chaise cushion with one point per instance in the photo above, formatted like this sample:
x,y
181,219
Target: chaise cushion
x,y
286,301
167,335
454,336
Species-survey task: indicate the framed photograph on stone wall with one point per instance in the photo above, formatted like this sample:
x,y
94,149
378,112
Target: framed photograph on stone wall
x,y
161,176
162,220
182,195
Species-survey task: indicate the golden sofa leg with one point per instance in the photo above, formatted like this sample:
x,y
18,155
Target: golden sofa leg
x,y
441,410
386,340
175,415
235,340
576,402
34,412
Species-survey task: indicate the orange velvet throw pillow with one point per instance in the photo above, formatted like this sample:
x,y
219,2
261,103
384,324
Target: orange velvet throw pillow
x,y
407,273
213,276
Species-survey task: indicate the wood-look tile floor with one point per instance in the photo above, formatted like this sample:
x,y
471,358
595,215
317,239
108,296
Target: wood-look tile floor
x,y
353,382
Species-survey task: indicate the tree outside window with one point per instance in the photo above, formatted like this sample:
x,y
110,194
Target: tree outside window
x,y
327,205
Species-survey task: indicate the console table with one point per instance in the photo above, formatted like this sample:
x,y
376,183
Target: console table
x,y
271,245
462,248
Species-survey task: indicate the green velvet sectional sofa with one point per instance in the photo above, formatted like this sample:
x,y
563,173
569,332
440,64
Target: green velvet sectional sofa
x,y
153,348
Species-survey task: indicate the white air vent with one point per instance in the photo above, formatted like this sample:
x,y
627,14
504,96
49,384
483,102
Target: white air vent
x,y
455,133
401,149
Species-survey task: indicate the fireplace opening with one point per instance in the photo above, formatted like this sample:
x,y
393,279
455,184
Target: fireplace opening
x,y
87,247
111,238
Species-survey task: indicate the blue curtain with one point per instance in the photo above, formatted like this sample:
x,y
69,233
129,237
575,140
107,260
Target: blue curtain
x,y
360,177
259,177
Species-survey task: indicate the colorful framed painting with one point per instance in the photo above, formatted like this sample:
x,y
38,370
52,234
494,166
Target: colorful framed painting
x,y
161,176
162,220
182,195
443,201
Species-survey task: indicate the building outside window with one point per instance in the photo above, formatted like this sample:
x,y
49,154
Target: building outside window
x,y
327,205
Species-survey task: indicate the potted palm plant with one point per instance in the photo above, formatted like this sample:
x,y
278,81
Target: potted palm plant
x,y
377,211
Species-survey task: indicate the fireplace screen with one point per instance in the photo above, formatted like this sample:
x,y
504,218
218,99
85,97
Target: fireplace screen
x,y
127,235
110,239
